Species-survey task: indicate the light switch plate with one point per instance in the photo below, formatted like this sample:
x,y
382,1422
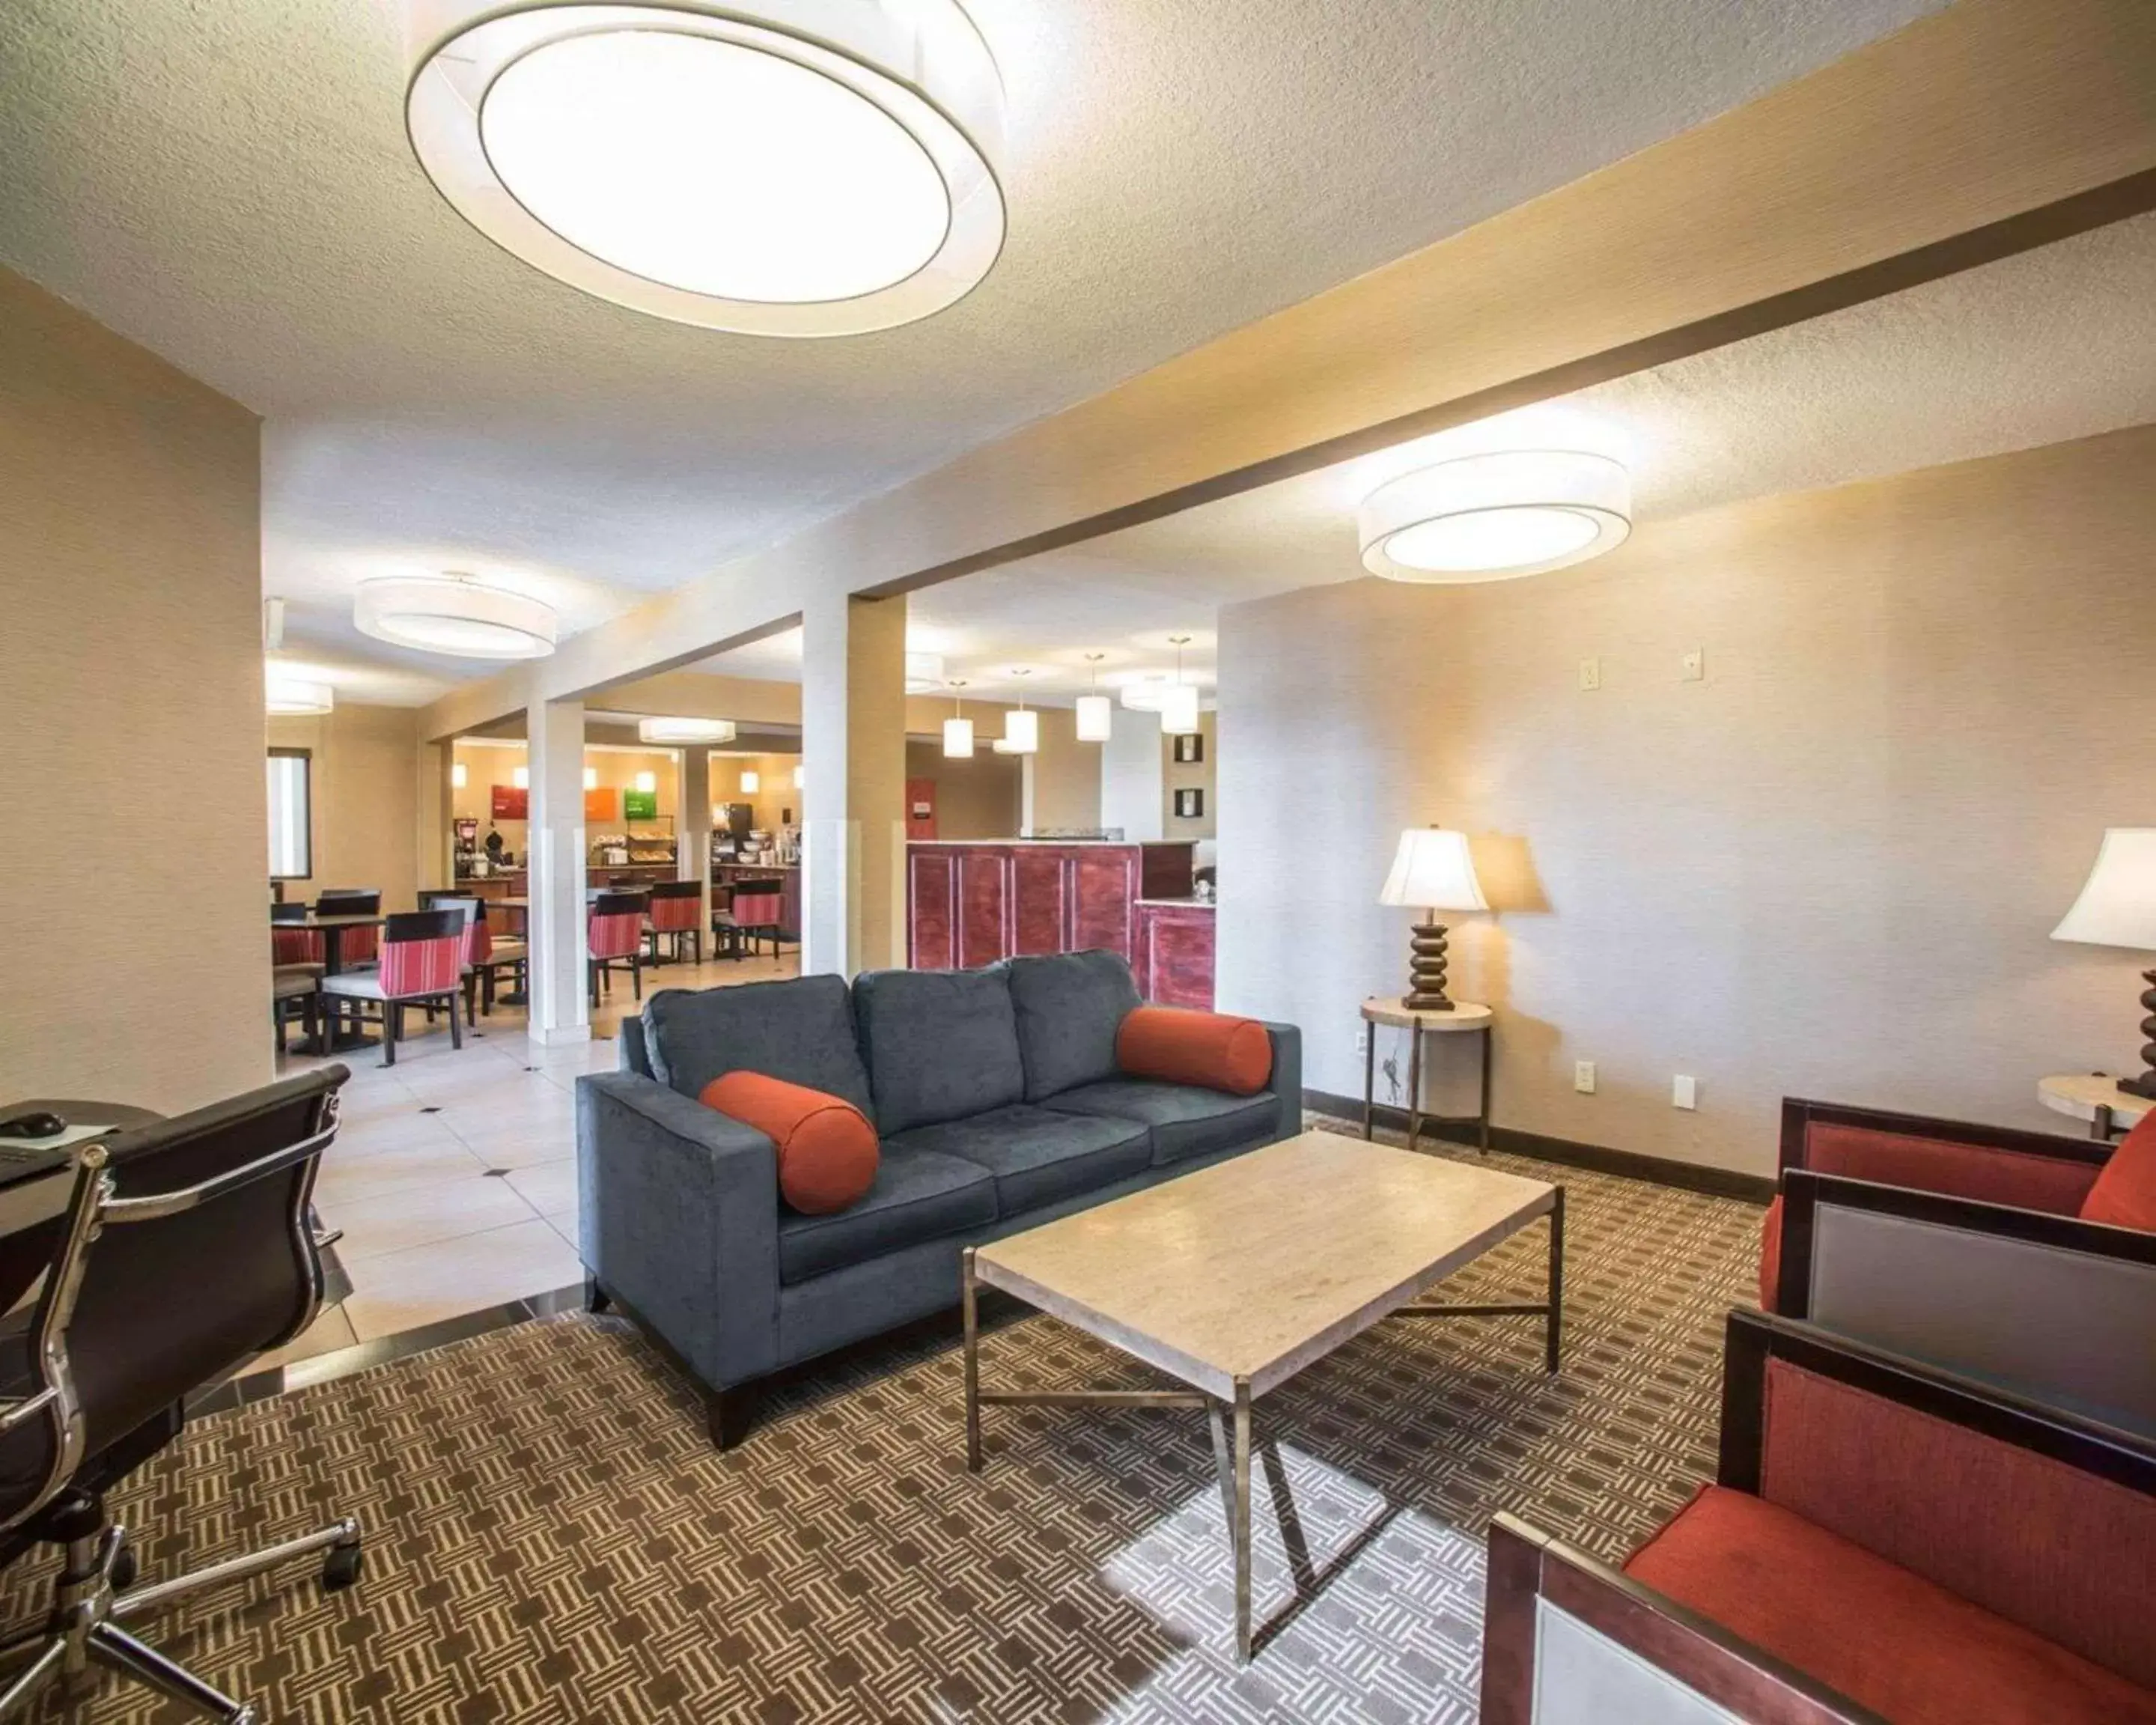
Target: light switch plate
x,y
1582,1077
1590,673
1684,1092
1692,667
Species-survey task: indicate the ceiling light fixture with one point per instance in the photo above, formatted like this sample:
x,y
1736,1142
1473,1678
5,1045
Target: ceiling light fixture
x,y
520,777
1178,707
591,778
293,697
957,729
460,776
924,673
752,781
453,614
1493,518
685,731
1095,719
776,167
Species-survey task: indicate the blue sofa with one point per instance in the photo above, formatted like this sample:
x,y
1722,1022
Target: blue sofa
x,y
1000,1106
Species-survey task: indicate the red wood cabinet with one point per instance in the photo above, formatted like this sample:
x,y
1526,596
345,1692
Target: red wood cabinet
x,y
969,904
1174,960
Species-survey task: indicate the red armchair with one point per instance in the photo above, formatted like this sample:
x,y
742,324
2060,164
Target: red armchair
x,y
1885,1541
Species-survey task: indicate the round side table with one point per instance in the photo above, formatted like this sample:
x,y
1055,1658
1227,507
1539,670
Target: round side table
x,y
1465,1018
2095,1098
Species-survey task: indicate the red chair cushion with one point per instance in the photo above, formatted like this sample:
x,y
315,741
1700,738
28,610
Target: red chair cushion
x,y
1770,1254
1882,1634
2124,1193
1184,1047
827,1149
1982,1171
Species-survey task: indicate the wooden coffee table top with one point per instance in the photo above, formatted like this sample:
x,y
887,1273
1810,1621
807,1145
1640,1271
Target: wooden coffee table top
x,y
1256,1267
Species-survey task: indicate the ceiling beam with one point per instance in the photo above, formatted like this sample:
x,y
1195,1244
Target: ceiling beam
x,y
1981,131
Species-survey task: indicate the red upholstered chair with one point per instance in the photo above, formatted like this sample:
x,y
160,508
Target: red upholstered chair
x,y
291,947
677,908
758,910
1989,1167
423,962
616,936
358,946
1884,1541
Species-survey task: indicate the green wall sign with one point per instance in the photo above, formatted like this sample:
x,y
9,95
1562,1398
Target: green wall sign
x,y
640,805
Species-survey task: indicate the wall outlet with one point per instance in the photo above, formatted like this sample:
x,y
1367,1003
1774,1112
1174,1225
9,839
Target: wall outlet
x,y
1582,1077
1692,667
1590,673
1363,1040
1684,1092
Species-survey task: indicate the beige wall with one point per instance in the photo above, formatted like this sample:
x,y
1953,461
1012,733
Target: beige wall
x,y
1828,869
131,699
365,786
1201,775
976,798
1060,782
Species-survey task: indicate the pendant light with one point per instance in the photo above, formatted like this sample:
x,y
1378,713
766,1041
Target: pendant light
x,y
1021,726
1095,710
957,729
752,781
774,167
591,778
1178,708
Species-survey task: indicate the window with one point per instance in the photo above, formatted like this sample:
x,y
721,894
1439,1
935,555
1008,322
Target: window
x,y
291,815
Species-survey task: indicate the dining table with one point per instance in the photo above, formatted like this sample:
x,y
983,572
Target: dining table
x,y
332,929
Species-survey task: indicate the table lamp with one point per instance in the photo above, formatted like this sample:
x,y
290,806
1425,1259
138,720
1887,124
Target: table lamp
x,y
1432,869
2117,908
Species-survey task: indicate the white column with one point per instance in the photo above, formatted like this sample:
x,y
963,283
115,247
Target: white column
x,y
692,827
852,805
554,734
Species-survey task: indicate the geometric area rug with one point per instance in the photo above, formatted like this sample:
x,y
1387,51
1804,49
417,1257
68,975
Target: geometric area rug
x,y
551,1538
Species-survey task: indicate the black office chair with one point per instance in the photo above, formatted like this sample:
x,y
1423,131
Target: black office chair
x,y
184,1251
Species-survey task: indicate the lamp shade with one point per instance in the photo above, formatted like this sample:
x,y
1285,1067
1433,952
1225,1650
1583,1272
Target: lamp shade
x,y
1021,731
1095,718
2118,903
958,739
1433,868
1178,710
752,781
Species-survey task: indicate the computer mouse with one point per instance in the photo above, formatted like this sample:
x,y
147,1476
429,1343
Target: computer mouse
x,y
33,1125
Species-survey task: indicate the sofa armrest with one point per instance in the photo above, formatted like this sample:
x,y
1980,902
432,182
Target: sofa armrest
x,y
1286,1081
680,1221
1995,1164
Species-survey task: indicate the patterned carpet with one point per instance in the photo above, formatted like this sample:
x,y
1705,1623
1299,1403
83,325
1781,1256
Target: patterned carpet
x,y
549,1537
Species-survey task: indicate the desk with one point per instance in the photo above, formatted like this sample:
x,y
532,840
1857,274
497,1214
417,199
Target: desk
x,y
34,1184
1467,1017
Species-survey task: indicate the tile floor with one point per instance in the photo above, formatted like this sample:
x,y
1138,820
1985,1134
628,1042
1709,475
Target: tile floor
x,y
454,1174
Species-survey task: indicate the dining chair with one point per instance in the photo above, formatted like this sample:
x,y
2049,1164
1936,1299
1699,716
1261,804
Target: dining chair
x,y
422,964
295,989
184,1252
677,908
759,910
616,936
360,946
291,947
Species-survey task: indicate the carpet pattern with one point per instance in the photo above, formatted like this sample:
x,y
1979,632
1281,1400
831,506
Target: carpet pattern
x,y
552,1539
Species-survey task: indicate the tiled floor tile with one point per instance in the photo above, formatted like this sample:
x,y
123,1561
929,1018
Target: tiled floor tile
x,y
548,1187
425,1284
422,1215
357,1178
524,1146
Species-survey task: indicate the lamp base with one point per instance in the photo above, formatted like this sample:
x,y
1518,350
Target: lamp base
x,y
2145,1085
1426,969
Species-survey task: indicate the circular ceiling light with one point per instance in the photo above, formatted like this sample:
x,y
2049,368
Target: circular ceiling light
x,y
453,614
685,731
924,673
1491,517
295,697
776,167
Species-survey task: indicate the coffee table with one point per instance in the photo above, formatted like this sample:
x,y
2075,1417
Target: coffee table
x,y
1233,1279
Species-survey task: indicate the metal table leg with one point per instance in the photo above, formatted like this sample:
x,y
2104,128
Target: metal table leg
x,y
973,1323
1487,1038
1553,1333
1414,1085
1369,1075
1240,1530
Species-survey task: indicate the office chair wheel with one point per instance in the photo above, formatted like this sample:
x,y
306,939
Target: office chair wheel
x,y
341,1567
124,1565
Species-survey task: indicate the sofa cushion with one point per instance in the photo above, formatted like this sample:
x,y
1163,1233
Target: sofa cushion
x,y
1036,1155
1883,1635
1210,1049
2124,1194
801,1030
1185,1120
1069,1006
940,1044
917,1196
827,1149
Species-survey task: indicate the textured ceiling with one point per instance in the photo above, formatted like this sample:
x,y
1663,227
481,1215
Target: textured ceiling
x,y
2051,345
227,181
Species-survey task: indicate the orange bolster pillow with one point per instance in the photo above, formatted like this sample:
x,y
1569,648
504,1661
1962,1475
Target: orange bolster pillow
x,y
827,1149
1184,1047
2124,1194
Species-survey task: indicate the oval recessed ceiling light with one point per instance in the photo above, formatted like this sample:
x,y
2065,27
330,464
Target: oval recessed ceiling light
x,y
778,167
453,614
924,672
685,731
296,696
1491,517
